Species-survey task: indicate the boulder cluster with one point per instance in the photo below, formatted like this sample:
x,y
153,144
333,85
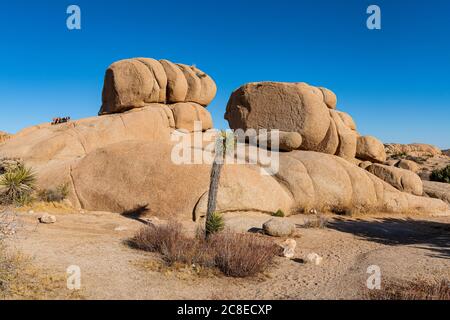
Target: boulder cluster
x,y
310,111
182,91
123,158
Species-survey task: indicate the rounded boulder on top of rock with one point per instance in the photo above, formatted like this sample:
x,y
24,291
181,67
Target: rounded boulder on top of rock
x,y
370,149
287,141
279,227
408,165
401,179
137,82
294,107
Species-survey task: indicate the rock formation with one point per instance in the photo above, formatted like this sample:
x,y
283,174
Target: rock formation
x,y
414,149
124,158
134,83
4,136
308,110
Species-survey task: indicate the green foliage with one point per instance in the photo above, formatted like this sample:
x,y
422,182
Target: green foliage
x,y
215,223
442,175
54,195
17,185
399,155
279,213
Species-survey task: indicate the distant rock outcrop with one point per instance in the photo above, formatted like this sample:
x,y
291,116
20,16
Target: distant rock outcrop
x,y
414,149
4,136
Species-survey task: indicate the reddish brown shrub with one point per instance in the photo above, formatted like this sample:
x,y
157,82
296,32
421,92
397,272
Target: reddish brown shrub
x,y
411,290
236,255
243,255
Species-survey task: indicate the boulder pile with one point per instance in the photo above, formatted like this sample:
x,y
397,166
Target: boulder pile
x,y
305,109
123,158
182,91
414,149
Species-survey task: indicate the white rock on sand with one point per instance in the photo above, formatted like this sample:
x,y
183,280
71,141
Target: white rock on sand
x,y
47,219
314,258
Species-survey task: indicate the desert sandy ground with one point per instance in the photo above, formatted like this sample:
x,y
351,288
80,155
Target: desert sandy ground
x,y
404,247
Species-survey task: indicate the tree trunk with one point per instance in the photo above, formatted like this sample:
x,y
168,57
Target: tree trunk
x,y
214,187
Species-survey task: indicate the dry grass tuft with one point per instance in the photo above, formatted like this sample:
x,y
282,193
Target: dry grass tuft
x,y
411,290
235,255
319,221
243,255
19,279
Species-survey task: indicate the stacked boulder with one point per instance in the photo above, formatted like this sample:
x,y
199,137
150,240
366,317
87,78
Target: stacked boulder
x,y
182,91
310,111
124,158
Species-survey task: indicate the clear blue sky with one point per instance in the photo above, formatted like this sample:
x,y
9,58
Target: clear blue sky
x,y
394,82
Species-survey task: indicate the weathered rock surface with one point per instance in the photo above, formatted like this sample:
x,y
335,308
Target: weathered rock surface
x,y
408,165
47,219
401,179
414,149
438,190
370,149
295,107
134,83
118,162
279,227
286,141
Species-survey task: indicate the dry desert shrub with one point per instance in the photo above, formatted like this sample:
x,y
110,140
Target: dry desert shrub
x,y
20,279
174,246
319,221
57,194
412,290
243,255
235,255
441,175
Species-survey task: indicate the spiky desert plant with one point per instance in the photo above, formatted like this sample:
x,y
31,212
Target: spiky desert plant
x,y
17,185
215,223
279,213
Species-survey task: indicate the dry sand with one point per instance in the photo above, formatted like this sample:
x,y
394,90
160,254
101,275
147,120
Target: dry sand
x,y
404,247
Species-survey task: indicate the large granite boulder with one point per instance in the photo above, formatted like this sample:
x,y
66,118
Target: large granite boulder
x,y
370,149
295,107
134,83
402,179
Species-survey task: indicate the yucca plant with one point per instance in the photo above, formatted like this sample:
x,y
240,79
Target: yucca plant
x,y
224,144
17,185
215,223
279,213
